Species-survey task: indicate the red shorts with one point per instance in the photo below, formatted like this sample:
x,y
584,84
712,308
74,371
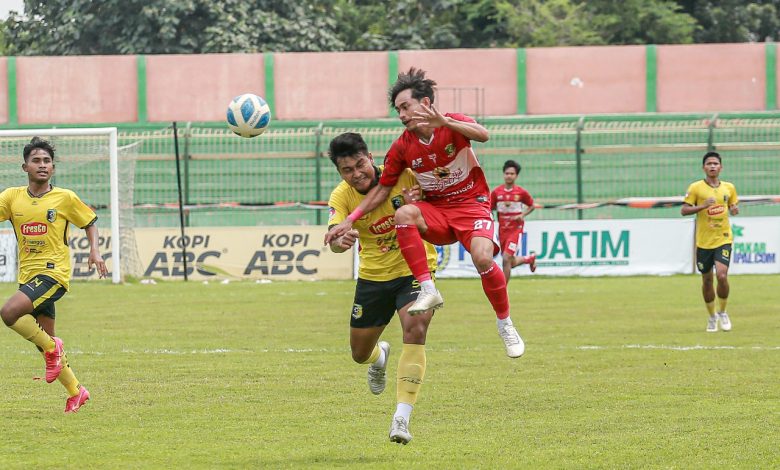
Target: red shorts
x,y
511,241
461,221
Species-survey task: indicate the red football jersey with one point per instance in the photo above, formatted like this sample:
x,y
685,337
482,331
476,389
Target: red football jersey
x,y
508,203
446,167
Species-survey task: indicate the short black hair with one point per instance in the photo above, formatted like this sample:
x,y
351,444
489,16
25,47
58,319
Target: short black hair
x,y
512,164
710,154
38,143
413,80
347,144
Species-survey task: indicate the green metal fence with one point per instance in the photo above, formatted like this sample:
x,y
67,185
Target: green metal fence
x,y
279,177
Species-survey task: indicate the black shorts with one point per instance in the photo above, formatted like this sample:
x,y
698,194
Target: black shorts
x,y
706,257
377,301
43,291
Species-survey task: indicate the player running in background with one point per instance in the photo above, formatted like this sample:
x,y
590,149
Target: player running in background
x,y
40,215
456,205
512,204
385,284
712,200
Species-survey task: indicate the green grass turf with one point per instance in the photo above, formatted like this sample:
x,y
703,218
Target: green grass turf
x,y
618,373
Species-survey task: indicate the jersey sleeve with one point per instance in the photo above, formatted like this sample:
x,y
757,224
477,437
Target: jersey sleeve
x,y
734,199
78,213
407,179
526,198
394,164
493,200
337,208
5,205
690,195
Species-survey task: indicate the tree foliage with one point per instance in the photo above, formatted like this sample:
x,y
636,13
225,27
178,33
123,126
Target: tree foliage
x,y
69,27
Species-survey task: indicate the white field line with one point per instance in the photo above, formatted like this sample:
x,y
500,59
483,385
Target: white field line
x,y
697,347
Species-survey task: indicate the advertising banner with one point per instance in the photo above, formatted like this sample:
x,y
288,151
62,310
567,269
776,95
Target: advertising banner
x,y
593,248
7,255
275,253
756,245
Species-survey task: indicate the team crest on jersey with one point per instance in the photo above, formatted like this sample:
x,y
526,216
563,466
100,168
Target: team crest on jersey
x,y
51,215
331,211
441,172
357,311
450,149
397,201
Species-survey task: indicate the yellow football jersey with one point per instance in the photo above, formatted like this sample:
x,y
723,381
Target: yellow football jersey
x,y
380,255
41,226
713,228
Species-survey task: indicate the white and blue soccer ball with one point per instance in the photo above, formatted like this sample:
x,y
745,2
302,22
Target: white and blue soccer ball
x,y
248,115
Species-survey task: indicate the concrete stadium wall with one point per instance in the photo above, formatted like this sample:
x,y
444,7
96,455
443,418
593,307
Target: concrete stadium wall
x,y
353,85
199,87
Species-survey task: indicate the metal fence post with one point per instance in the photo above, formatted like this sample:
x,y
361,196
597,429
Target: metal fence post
x,y
318,169
711,133
578,153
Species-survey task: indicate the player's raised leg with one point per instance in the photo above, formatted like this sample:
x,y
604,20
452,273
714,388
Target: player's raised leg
x,y
16,314
494,286
409,222
366,349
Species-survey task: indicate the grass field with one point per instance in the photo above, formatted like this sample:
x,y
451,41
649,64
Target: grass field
x,y
618,373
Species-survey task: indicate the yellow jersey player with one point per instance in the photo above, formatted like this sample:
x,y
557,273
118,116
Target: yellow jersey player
x,y
40,215
712,200
385,284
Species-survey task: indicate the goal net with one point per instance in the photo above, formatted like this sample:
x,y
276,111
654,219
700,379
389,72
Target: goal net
x,y
101,171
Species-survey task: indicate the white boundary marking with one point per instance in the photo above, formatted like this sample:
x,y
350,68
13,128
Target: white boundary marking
x,y
697,347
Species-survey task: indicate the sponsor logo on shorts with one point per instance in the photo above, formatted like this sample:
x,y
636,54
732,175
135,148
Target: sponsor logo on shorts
x,y
700,265
725,253
34,229
357,311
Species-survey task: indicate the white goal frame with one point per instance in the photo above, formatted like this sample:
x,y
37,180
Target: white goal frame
x,y
113,149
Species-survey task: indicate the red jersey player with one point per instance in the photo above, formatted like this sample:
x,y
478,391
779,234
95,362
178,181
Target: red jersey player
x,y
456,205
512,204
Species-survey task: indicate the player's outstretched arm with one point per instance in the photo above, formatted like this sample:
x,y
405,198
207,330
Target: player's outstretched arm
x,y
431,117
344,242
376,196
94,252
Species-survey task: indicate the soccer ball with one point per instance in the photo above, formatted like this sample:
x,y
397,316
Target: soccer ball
x,y
248,115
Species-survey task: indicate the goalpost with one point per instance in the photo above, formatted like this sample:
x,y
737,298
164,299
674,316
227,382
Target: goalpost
x,y
80,154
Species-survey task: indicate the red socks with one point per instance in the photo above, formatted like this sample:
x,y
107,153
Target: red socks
x,y
494,285
413,250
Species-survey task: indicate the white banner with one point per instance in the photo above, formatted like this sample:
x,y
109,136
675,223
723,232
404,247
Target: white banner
x,y
756,245
594,248
7,255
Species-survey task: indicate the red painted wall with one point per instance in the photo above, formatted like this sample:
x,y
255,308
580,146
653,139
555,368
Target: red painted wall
x,y
580,80
353,85
711,77
199,87
330,85
3,86
76,89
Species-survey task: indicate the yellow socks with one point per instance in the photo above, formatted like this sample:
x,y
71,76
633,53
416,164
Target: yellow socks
x,y
722,304
374,355
68,379
411,371
710,307
30,330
